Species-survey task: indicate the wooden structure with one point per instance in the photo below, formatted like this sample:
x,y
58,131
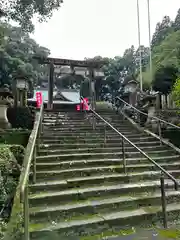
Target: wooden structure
x,y
93,69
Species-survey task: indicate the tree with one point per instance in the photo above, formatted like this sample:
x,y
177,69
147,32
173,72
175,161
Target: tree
x,y
117,69
163,29
22,11
168,52
176,92
129,60
164,79
147,79
176,24
17,50
144,57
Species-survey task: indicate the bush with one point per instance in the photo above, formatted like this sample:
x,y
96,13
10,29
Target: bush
x,y
3,228
164,79
10,161
176,92
18,152
20,117
15,136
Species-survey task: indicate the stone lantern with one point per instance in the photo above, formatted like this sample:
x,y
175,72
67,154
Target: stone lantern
x,y
5,99
22,86
130,88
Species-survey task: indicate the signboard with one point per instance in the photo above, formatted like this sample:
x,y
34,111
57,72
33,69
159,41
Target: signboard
x,y
38,99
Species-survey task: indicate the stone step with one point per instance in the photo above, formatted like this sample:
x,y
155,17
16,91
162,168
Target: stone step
x,y
90,129
101,170
84,128
85,121
93,133
76,114
89,181
54,165
96,134
82,118
66,212
118,154
74,140
95,150
65,122
81,188
96,224
103,191
95,145
68,117
62,139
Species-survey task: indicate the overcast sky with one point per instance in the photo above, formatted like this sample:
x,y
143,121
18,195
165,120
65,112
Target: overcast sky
x,y
87,28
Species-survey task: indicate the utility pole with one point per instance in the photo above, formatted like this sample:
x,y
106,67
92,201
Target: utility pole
x,y
140,52
150,52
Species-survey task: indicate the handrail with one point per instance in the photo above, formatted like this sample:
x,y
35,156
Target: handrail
x,y
29,154
153,117
137,148
163,171
29,158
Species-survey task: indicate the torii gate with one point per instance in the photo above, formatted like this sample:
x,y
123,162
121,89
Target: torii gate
x,y
93,68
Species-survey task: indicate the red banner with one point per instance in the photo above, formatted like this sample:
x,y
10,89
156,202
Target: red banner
x,y
38,99
84,105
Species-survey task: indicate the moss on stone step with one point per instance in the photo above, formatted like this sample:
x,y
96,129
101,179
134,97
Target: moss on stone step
x,y
108,226
100,206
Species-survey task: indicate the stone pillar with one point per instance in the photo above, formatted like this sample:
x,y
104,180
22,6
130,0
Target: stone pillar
x,y
133,98
157,104
50,87
170,101
91,90
151,113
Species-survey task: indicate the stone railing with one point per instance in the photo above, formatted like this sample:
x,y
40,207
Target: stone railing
x,y
169,115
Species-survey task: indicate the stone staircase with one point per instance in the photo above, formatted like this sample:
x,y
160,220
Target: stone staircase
x,y
82,190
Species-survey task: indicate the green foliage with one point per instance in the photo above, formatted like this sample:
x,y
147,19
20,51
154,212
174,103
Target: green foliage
x,y
18,152
15,136
14,226
162,30
147,81
22,11
10,157
176,24
167,53
165,48
3,228
20,117
164,79
119,68
17,50
176,92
